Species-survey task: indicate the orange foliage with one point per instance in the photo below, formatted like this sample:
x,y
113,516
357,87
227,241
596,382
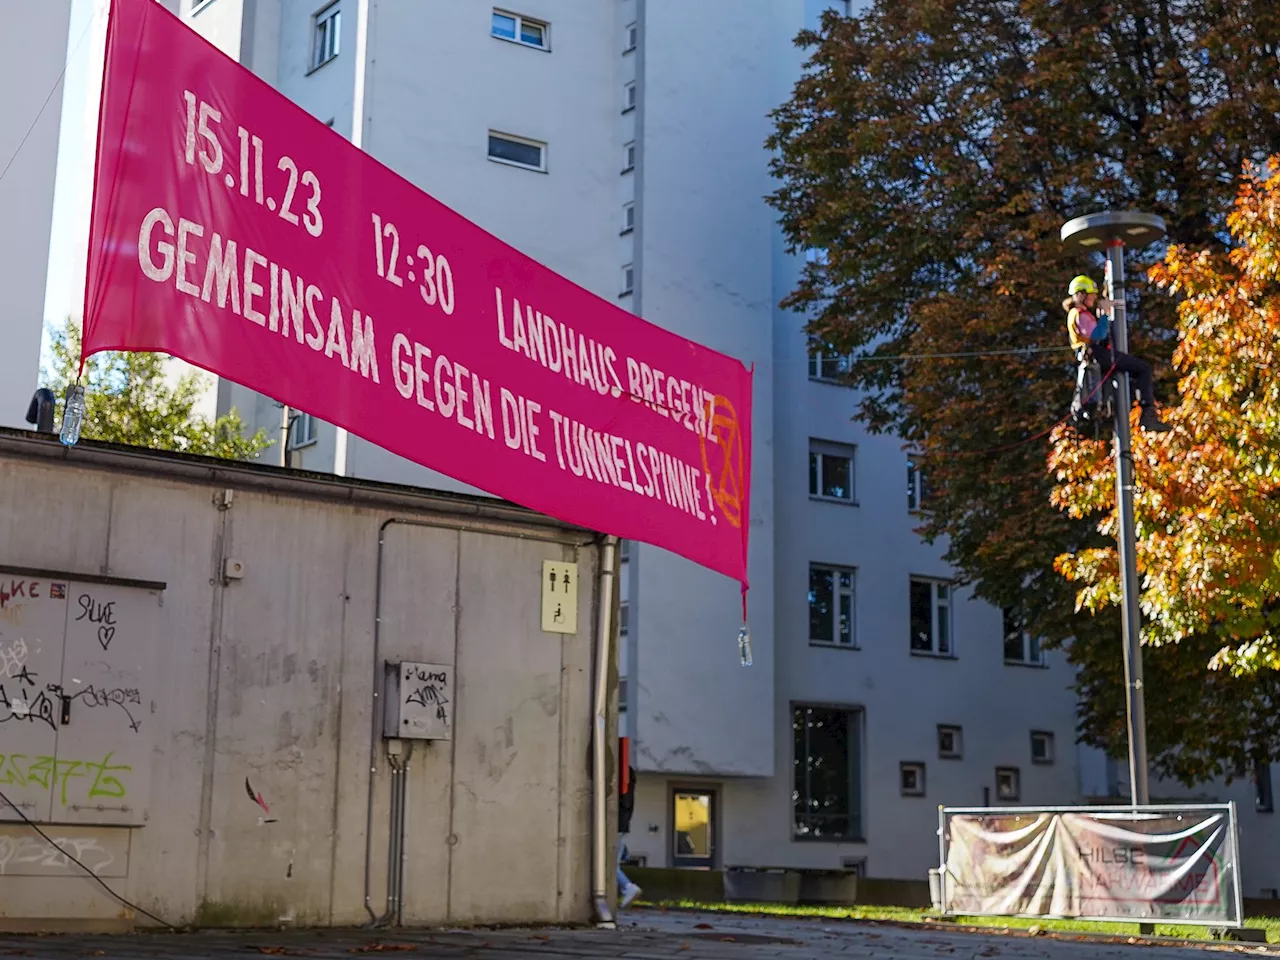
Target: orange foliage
x,y
1208,514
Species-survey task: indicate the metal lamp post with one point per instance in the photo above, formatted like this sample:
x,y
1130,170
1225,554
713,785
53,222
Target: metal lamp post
x,y
1111,232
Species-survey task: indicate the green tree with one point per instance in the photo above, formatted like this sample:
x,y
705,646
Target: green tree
x,y
129,399
933,150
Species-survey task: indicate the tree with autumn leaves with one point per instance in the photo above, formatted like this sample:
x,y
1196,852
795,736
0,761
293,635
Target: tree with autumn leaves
x,y
1207,495
933,149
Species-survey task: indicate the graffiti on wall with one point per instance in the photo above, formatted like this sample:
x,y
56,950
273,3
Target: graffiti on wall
x,y
26,855
101,614
11,590
427,689
13,657
21,701
78,780
102,697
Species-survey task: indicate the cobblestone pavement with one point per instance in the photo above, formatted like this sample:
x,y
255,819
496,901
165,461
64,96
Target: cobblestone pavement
x,y
642,935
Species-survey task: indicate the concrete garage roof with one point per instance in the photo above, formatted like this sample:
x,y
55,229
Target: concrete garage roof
x,y
249,475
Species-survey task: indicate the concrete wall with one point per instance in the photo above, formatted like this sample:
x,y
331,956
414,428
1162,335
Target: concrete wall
x,y
33,50
270,678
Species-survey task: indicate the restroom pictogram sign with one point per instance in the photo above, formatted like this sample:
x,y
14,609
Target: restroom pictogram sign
x,y
559,597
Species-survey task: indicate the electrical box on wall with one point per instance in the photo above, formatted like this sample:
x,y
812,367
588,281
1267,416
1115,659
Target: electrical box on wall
x,y
418,701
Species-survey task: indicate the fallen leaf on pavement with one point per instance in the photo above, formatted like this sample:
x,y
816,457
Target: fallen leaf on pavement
x,y
379,947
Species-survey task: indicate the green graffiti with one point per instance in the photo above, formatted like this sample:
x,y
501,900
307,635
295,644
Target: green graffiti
x,y
20,770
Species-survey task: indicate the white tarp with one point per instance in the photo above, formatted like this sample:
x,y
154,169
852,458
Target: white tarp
x,y
1166,864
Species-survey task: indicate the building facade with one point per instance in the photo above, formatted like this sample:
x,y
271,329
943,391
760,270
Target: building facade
x,y
31,65
621,143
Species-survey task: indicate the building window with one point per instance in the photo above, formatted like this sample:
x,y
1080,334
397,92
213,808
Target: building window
x,y
629,157
1020,645
1008,784
826,796
1041,747
917,487
518,29
831,606
325,35
831,471
624,618
931,617
628,281
303,431
911,779
517,151
628,217
623,692
629,97
950,742
633,36
855,865
1263,800
624,550
826,363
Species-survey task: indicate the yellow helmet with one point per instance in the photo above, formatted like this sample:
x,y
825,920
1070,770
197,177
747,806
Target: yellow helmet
x,y
1082,284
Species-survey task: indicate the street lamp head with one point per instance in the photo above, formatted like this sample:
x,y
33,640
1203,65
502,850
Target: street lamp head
x,y
1097,231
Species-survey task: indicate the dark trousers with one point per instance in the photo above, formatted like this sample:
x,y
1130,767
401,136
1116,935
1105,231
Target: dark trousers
x,y
1138,369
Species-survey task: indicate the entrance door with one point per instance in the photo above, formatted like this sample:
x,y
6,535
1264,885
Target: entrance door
x,y
693,834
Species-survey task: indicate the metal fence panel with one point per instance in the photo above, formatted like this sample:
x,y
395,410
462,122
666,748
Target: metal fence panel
x,y
1166,863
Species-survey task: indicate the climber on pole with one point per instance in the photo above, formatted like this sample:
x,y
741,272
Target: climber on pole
x,y
1090,337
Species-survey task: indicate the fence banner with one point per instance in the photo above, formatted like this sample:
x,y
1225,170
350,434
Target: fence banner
x,y
1164,863
232,229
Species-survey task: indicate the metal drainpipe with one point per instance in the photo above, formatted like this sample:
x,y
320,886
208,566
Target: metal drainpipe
x,y
599,785
374,725
393,841
403,830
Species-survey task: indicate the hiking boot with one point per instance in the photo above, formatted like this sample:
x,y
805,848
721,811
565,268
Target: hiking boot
x,y
1151,421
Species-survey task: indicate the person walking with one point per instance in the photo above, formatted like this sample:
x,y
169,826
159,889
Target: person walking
x,y
627,891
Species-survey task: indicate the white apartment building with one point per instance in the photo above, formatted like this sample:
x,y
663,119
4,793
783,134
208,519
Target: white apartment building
x,y
621,143
31,64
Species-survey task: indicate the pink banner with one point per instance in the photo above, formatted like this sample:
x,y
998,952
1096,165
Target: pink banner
x,y
232,229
